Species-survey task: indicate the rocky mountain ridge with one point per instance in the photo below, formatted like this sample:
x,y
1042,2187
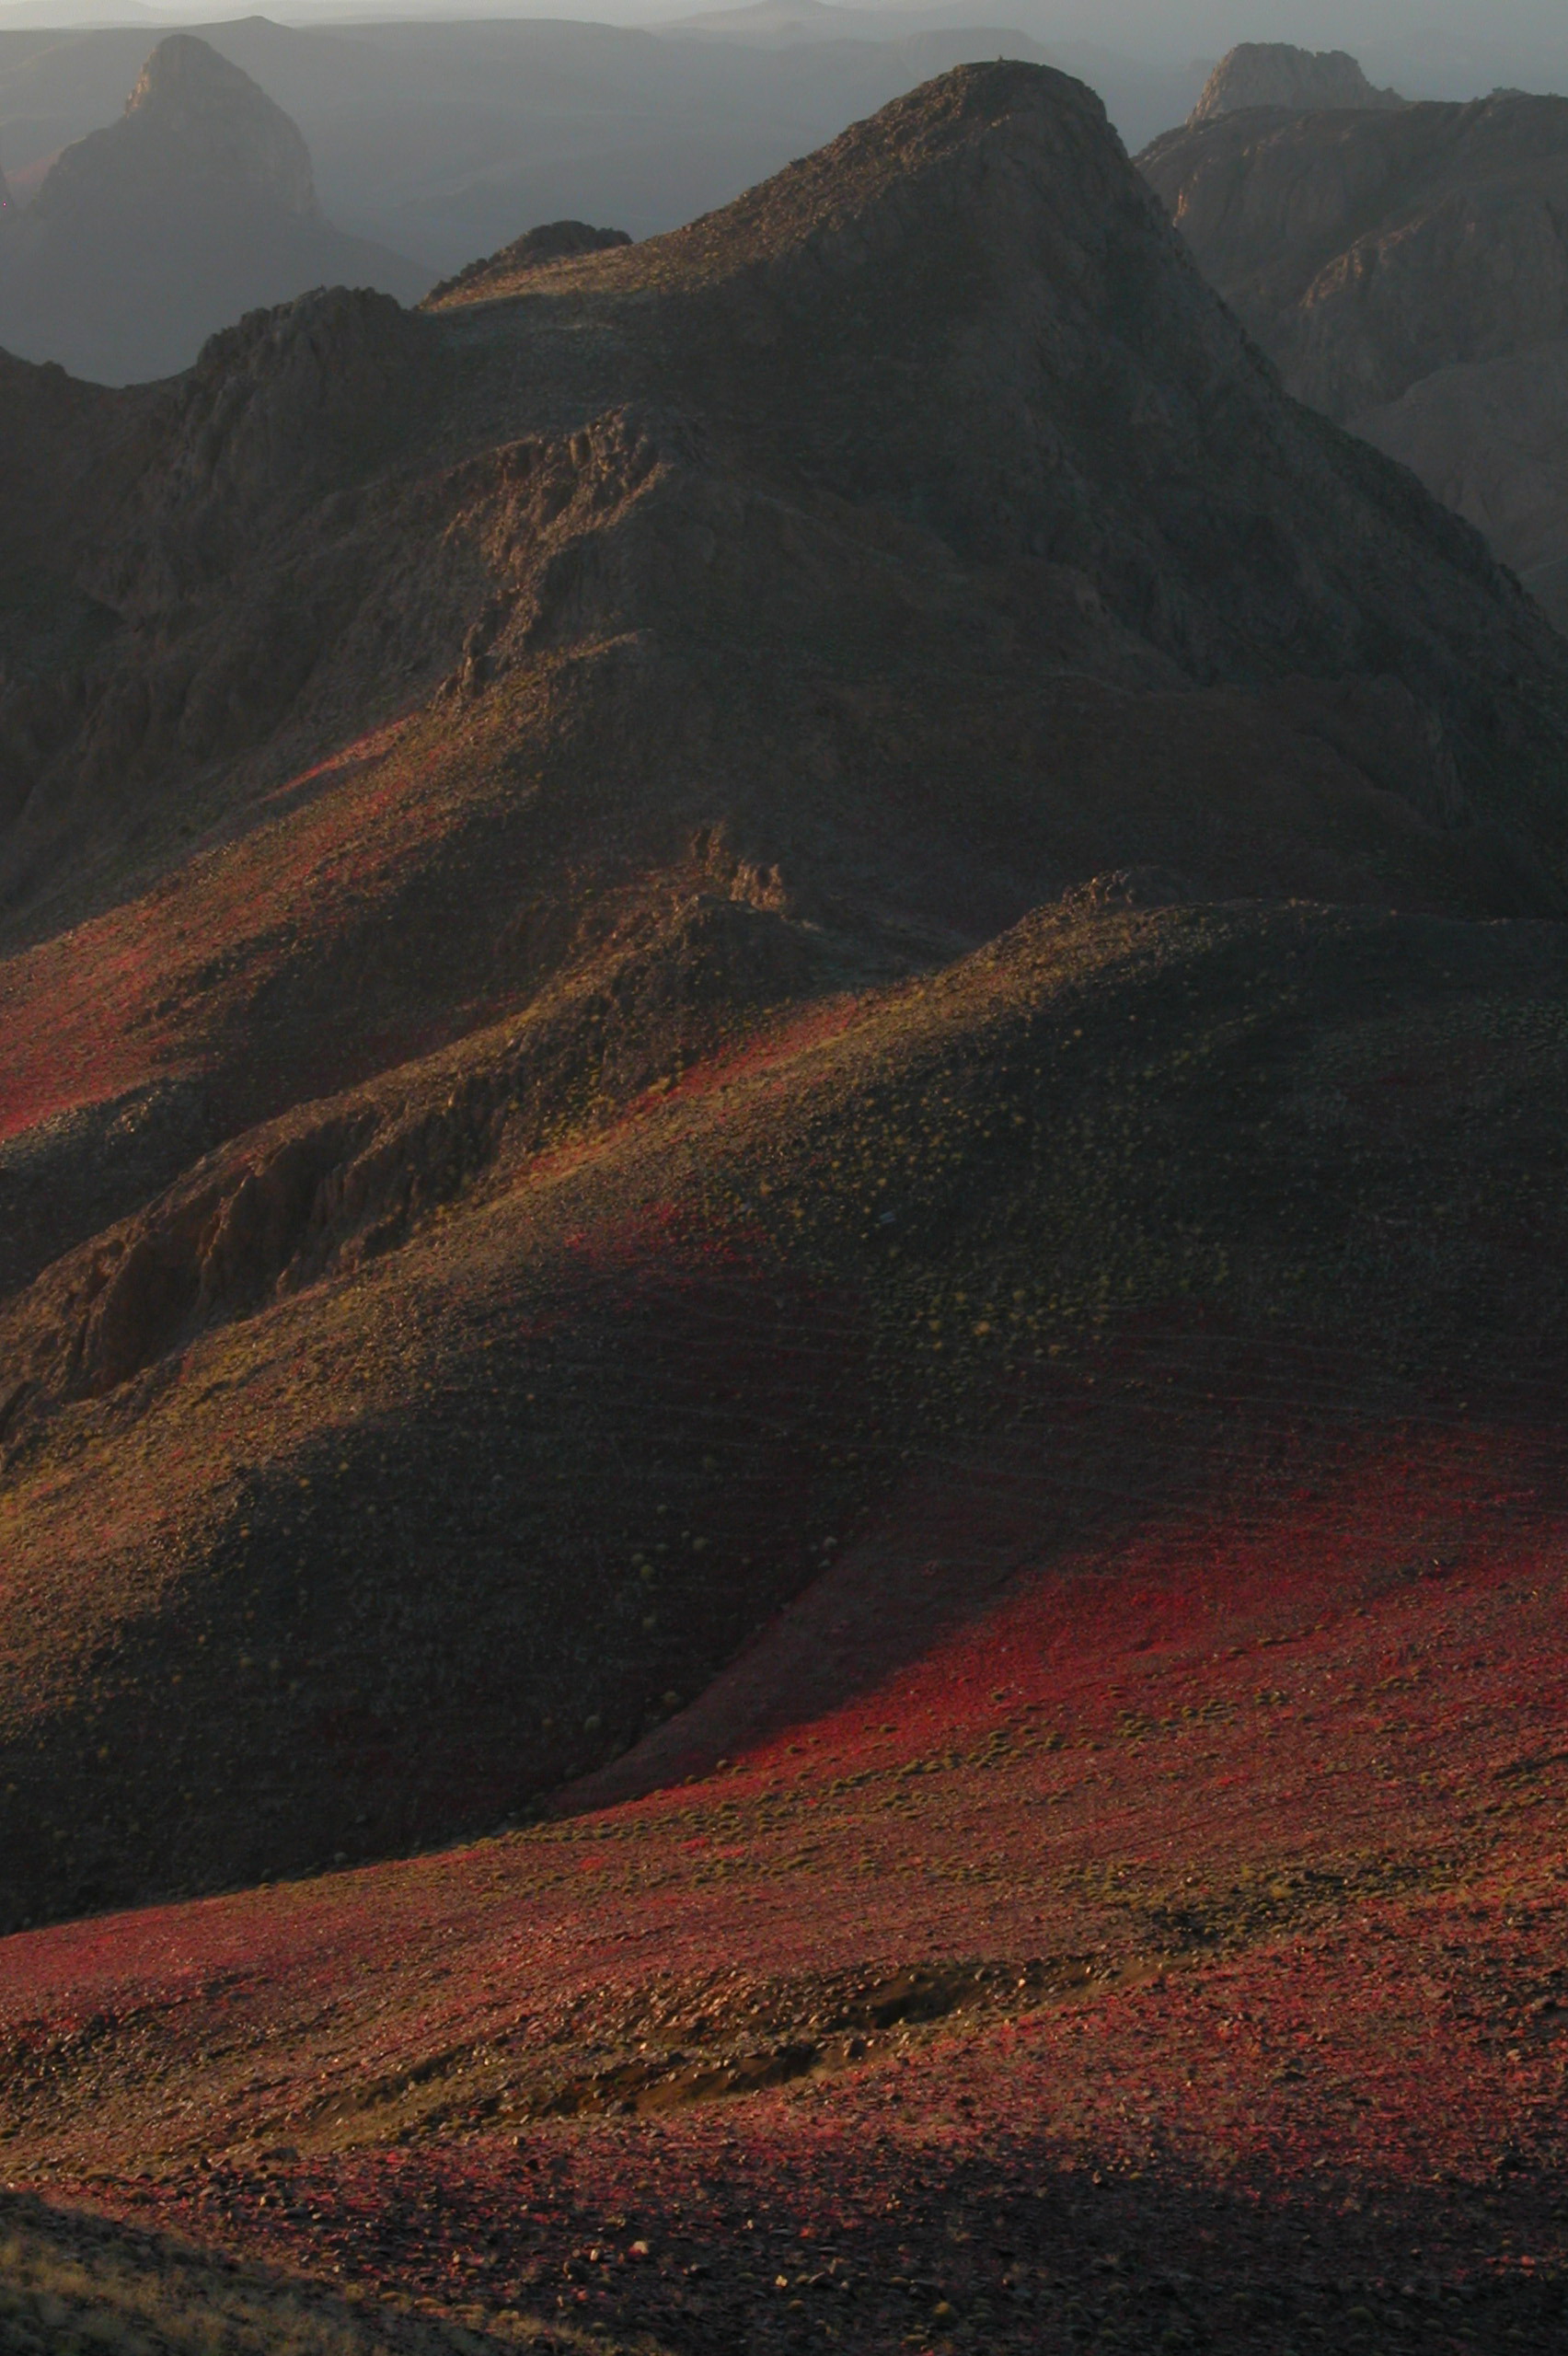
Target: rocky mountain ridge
x,y
485,730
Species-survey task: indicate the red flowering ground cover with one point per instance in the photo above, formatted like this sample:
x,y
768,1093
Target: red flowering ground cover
x,y
1158,1943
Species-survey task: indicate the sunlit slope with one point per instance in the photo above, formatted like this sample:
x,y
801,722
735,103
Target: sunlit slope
x,y
407,1470
1074,1883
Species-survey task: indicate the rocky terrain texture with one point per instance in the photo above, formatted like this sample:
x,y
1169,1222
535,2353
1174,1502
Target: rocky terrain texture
x,y
782,1093
1408,272
197,206
1040,1937
1275,73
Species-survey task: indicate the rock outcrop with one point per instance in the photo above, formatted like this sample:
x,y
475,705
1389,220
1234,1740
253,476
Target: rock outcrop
x,y
1275,73
145,239
1363,251
1408,273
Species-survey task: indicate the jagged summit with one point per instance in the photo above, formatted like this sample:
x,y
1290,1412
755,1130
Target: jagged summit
x,y
1276,74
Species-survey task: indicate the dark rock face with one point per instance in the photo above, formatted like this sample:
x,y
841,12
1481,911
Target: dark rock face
x,y
1275,73
1408,272
1363,251
199,204
963,323
551,241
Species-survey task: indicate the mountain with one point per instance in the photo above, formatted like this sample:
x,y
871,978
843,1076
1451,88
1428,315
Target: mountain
x,y
551,241
782,1093
1408,273
1366,250
197,205
1274,74
487,1160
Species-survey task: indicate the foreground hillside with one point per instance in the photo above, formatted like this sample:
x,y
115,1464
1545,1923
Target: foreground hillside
x,y
1107,1911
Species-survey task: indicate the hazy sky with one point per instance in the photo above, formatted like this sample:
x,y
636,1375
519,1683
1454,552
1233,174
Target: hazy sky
x,y
1427,48
1437,48
1443,31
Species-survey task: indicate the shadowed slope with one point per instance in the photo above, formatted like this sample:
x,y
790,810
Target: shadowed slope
x,y
1091,1965
1365,251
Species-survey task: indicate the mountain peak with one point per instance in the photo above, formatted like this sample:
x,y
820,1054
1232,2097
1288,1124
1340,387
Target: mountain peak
x,y
198,119
1278,74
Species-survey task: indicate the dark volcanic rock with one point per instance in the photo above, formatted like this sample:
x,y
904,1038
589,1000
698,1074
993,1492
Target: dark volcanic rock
x,y
1275,73
198,205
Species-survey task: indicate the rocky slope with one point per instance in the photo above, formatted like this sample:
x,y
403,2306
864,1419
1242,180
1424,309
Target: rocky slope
x,y
198,205
1409,274
478,1141
1275,74
1490,440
